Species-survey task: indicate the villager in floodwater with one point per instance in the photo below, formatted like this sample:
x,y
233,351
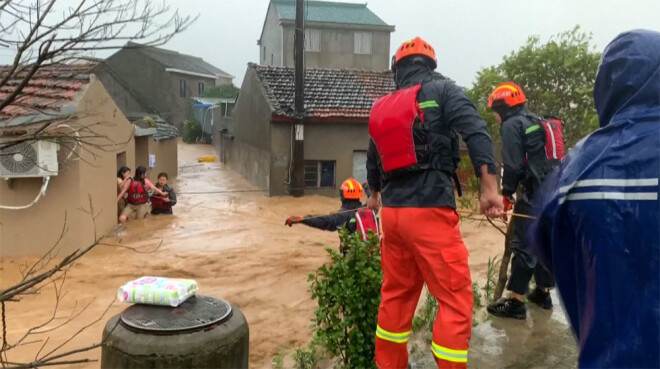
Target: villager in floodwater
x,y
163,204
138,196
123,176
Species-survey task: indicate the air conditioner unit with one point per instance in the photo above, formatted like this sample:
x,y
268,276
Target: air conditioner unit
x,y
29,159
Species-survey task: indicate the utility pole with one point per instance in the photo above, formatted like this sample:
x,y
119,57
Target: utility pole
x,y
298,175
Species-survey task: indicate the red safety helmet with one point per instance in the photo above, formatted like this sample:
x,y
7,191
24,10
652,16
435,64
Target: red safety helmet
x,y
507,94
416,46
351,189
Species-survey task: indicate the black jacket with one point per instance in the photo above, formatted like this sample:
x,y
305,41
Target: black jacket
x,y
433,188
515,123
334,222
172,197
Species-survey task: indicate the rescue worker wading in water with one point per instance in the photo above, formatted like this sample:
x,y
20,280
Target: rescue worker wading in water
x,y
362,220
525,166
411,161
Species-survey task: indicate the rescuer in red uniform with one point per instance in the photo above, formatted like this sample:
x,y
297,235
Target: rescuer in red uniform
x,y
411,164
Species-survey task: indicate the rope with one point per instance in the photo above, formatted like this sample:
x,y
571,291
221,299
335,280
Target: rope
x,y
464,212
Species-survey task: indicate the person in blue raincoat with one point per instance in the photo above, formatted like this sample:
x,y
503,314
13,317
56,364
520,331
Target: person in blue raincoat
x,y
598,226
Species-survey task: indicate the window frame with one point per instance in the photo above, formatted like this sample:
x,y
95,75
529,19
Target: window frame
x,y
200,87
358,43
182,88
318,165
309,39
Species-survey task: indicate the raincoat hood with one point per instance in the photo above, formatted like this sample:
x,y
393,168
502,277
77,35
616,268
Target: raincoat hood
x,y
628,78
408,75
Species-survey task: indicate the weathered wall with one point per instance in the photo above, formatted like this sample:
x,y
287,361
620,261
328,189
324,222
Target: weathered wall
x,y
141,152
146,77
337,49
223,131
167,157
323,142
270,50
178,106
249,152
121,92
36,229
148,80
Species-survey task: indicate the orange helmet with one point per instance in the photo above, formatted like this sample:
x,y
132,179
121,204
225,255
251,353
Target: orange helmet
x,y
507,94
351,189
416,46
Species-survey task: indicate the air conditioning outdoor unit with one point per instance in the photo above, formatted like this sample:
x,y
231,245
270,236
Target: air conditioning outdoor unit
x,y
29,159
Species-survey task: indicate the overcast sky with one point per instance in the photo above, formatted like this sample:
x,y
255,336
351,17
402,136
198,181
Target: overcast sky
x,y
467,34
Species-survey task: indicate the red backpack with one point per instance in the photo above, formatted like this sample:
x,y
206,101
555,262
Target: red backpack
x,y
554,137
366,221
544,146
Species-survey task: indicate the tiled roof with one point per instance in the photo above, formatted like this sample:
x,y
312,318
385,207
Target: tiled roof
x,y
329,12
173,59
329,93
152,125
52,91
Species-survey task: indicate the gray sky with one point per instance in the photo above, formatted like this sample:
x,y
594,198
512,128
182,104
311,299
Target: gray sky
x,y
467,34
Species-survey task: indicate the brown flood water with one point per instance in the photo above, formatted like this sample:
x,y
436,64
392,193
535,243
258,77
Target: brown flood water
x,y
234,244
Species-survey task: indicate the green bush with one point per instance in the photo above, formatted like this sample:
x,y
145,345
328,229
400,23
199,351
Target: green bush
x,y
347,291
192,131
305,358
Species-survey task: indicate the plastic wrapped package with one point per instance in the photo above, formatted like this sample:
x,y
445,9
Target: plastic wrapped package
x,y
157,291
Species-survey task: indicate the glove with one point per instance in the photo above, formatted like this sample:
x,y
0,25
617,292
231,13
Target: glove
x,y
508,202
292,219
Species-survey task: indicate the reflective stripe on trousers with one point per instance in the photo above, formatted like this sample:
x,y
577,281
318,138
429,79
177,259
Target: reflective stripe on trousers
x,y
402,337
445,353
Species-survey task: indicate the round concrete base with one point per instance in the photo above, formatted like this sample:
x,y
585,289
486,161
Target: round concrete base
x,y
222,346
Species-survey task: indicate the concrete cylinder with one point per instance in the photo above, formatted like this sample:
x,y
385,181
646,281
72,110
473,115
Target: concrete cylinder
x,y
221,346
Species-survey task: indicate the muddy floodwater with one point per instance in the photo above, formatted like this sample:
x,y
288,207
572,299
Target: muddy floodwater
x,y
228,236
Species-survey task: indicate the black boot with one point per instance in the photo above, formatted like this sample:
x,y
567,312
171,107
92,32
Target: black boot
x,y
540,298
508,308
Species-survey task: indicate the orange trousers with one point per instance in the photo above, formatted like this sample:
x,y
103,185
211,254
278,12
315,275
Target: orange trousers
x,y
423,245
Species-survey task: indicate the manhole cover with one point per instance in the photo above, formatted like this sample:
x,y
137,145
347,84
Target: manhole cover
x,y
194,314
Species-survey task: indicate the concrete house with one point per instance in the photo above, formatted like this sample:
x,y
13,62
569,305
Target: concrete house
x,y
72,97
337,35
338,103
155,139
158,81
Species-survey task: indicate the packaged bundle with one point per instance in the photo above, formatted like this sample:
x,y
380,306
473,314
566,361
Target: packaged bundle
x,y
157,291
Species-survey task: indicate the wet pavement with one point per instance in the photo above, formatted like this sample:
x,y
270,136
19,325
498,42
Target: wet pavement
x,y
543,340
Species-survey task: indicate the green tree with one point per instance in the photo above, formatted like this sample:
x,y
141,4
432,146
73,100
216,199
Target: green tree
x,y
348,294
223,91
557,77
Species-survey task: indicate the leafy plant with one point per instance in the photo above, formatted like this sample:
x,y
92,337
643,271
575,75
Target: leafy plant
x,y
278,360
491,278
306,358
223,91
557,77
192,131
347,291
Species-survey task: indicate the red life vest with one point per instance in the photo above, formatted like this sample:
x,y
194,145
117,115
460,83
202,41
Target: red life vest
x,y
391,128
136,193
158,203
366,221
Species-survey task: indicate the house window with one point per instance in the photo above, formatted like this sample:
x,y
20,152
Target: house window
x,y
182,88
363,42
312,39
271,60
264,53
319,174
200,86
